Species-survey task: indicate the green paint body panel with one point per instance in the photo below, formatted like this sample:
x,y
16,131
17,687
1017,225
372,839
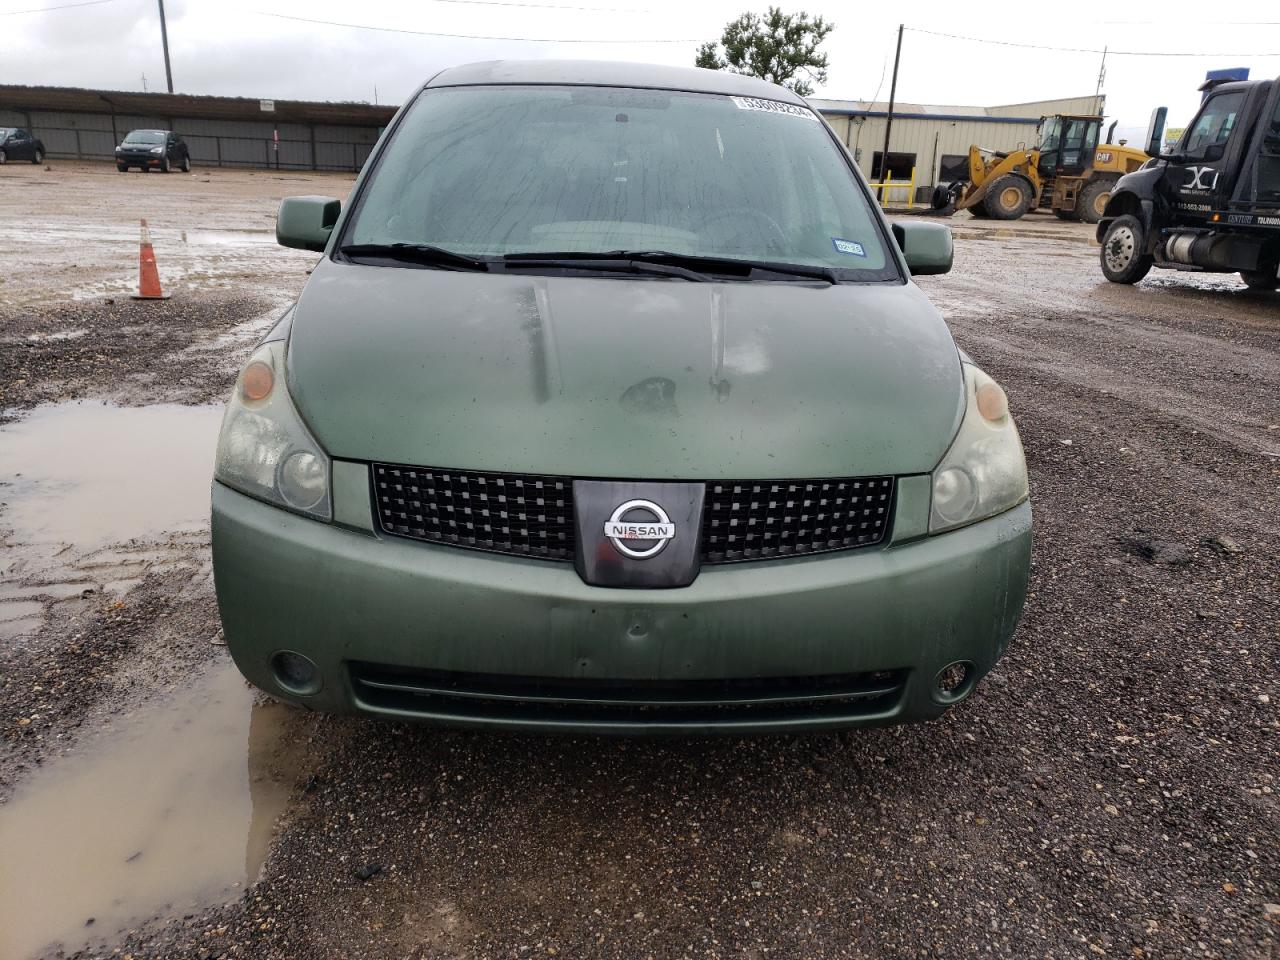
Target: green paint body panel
x,y
339,595
623,378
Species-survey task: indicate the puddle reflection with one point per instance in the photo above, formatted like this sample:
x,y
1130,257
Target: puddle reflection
x,y
93,473
169,811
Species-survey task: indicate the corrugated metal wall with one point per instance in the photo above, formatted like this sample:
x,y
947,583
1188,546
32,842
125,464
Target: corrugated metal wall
x,y
928,139
94,136
1080,106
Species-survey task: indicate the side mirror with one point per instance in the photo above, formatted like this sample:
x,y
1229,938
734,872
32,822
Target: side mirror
x,y
1155,130
1214,152
306,222
927,247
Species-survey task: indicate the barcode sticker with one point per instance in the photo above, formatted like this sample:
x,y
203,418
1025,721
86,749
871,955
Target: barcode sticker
x,y
774,106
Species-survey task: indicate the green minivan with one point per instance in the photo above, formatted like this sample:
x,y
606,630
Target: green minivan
x,y
611,407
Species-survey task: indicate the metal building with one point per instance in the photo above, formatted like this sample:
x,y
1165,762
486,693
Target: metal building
x,y
76,123
84,124
934,140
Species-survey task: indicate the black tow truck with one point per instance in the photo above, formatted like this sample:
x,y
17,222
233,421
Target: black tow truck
x,y
1213,204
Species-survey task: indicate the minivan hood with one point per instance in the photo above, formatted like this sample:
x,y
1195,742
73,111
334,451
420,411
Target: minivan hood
x,y
622,377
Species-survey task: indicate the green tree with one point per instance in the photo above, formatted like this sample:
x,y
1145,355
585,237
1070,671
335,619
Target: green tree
x,y
779,47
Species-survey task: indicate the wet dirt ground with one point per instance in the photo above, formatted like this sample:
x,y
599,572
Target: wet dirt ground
x,y
1110,789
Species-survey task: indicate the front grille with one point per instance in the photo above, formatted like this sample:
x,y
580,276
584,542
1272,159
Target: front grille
x,y
788,518
532,516
623,704
525,515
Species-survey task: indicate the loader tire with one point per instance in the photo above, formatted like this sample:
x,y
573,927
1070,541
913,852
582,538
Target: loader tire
x,y
1093,200
1123,255
979,211
1008,198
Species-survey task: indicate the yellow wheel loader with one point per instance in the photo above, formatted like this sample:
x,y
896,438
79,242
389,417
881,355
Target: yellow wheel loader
x,y
1067,172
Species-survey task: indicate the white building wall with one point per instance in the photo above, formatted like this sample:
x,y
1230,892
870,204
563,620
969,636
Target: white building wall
x,y
1080,106
931,134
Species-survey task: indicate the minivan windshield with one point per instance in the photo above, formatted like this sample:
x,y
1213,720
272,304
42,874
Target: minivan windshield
x,y
491,171
145,136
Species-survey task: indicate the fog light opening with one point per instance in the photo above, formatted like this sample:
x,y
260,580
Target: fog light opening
x,y
954,682
295,673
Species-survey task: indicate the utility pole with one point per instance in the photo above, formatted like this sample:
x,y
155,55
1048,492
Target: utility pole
x,y
888,122
1102,75
164,39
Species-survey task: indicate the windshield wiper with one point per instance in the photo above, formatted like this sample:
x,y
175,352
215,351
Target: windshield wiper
x,y
721,266
616,260
420,253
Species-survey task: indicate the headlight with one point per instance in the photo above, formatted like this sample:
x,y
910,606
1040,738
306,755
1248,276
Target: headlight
x,y
984,472
264,449
157,149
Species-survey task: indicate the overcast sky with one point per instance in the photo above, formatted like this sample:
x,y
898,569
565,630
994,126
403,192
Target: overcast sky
x,y
236,47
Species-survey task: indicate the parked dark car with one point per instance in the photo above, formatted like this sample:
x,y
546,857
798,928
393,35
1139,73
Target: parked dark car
x,y
18,144
153,150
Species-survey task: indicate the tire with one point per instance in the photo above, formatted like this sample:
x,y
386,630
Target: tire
x,y
1009,198
37,157
1066,215
978,211
122,167
186,163
1092,203
165,166
1261,280
4,157
1121,255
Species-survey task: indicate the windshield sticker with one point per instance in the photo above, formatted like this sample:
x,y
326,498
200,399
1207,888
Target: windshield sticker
x,y
774,106
851,247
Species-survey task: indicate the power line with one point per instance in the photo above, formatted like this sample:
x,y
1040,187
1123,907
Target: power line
x,y
61,6
547,6
1110,53
464,36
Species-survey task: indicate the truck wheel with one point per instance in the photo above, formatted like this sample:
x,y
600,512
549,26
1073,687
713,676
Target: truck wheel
x,y
122,167
1093,200
1260,279
1008,198
1122,256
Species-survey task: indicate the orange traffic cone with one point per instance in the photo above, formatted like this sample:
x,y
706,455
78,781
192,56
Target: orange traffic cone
x,y
148,275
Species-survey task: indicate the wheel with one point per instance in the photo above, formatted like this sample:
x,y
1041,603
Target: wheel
x,y
1260,279
165,166
4,157
1122,256
1092,203
1066,215
38,156
122,167
979,211
1008,198
186,163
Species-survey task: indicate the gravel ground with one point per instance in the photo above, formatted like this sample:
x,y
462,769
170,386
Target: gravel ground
x,y
1109,790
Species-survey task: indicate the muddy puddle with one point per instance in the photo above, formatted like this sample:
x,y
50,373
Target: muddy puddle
x,y
169,810
92,473
92,496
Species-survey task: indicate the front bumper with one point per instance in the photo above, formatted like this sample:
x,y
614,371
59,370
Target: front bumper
x,y
140,159
412,630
